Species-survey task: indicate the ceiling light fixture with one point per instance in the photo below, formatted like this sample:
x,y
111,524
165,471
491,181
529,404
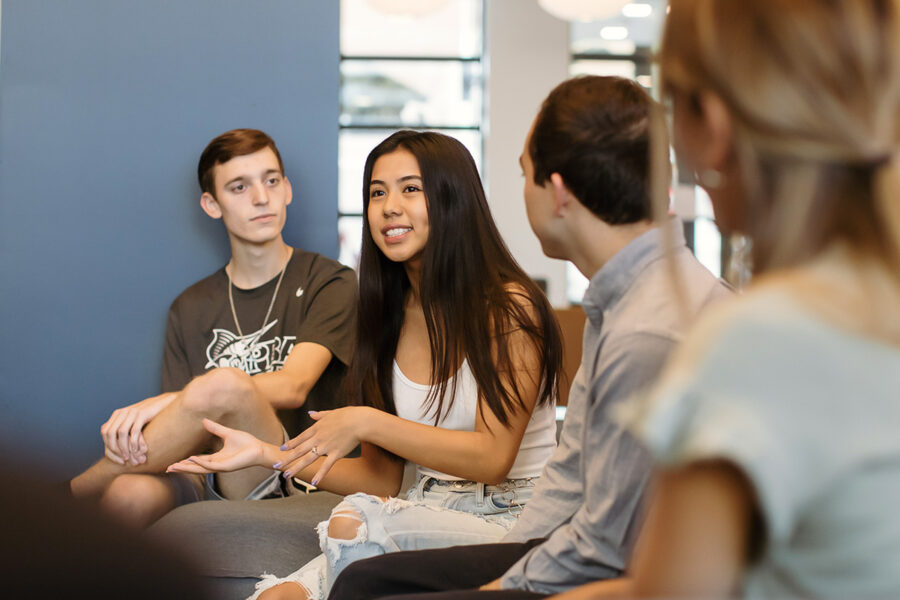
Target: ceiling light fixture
x,y
637,10
583,10
614,33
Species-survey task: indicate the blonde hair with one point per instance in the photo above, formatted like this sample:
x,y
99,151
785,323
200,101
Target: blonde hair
x,y
813,89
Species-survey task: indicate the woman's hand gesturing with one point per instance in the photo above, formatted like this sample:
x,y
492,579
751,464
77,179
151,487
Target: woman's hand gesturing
x,y
334,435
239,451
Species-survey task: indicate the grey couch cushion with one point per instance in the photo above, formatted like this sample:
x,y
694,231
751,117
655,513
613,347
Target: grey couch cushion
x,y
239,540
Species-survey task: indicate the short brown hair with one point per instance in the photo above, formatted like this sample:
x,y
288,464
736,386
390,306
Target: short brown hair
x,y
595,132
237,142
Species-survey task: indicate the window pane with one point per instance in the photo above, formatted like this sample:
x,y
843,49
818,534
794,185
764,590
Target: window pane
x,y
354,146
620,68
411,93
708,245
707,239
349,240
607,36
454,30
576,284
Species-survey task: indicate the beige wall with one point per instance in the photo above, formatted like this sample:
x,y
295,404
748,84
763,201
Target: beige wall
x,y
527,56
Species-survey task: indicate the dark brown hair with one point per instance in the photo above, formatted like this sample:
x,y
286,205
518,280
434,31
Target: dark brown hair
x,y
595,132
237,142
473,292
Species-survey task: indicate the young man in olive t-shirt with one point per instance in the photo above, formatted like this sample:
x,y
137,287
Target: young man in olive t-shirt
x,y
247,346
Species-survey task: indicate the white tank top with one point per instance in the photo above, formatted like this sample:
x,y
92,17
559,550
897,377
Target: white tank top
x,y
537,444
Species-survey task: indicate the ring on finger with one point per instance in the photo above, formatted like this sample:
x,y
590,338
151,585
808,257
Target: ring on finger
x,y
315,451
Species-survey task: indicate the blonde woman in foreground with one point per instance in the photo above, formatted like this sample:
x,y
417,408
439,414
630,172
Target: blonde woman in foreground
x,y
776,423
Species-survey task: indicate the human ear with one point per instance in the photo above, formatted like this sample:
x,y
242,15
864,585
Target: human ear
x,y
210,206
703,130
561,195
719,129
290,191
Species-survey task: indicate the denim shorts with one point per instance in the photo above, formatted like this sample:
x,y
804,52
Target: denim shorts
x,y
435,514
505,499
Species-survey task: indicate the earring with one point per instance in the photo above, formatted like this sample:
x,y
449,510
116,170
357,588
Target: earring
x,y
710,178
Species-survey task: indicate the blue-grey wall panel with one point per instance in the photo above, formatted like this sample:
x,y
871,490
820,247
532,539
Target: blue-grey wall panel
x,y
105,106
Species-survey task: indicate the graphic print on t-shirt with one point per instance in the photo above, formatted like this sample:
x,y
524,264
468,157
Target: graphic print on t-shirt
x,y
247,353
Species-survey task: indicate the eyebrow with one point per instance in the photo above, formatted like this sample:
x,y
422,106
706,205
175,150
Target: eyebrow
x,y
243,177
401,180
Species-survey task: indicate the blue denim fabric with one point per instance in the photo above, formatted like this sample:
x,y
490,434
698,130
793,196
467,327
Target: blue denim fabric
x,y
435,514
506,499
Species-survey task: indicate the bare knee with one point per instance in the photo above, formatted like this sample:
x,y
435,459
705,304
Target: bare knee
x,y
218,392
342,527
284,591
138,500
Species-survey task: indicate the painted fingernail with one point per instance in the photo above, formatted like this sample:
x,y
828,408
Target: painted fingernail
x,y
276,465
284,447
312,412
315,482
286,475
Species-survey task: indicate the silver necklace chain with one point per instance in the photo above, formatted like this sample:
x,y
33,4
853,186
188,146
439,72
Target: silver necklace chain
x,y
271,303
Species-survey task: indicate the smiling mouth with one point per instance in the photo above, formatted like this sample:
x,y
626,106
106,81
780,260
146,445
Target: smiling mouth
x,y
396,232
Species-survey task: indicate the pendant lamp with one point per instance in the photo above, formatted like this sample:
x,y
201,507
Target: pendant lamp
x,y
583,10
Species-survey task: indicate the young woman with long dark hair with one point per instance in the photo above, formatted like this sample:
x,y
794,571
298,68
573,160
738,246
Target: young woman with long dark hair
x,y
456,370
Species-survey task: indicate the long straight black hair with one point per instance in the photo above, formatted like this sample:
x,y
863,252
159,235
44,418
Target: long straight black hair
x,y
473,292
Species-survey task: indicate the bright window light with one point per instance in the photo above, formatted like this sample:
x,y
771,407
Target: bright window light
x,y
576,284
707,239
637,10
614,33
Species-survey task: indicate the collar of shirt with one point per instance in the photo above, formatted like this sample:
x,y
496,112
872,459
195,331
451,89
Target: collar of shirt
x,y
610,283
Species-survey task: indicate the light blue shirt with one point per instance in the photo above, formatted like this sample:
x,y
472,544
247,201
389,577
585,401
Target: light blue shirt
x,y
588,499
810,414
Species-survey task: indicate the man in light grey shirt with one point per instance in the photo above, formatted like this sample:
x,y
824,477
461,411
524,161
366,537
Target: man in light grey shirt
x,y
587,502
585,167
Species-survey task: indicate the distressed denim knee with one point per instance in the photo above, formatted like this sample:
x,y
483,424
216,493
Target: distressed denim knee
x,y
340,551
436,514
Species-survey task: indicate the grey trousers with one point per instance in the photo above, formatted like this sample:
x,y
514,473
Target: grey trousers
x,y
233,542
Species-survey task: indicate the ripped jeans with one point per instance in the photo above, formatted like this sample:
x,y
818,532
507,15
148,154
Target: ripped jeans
x,y
435,514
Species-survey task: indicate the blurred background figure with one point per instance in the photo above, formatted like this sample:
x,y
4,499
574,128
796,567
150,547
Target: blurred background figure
x,y
53,547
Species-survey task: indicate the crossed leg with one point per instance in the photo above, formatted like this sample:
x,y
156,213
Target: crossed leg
x,y
140,494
